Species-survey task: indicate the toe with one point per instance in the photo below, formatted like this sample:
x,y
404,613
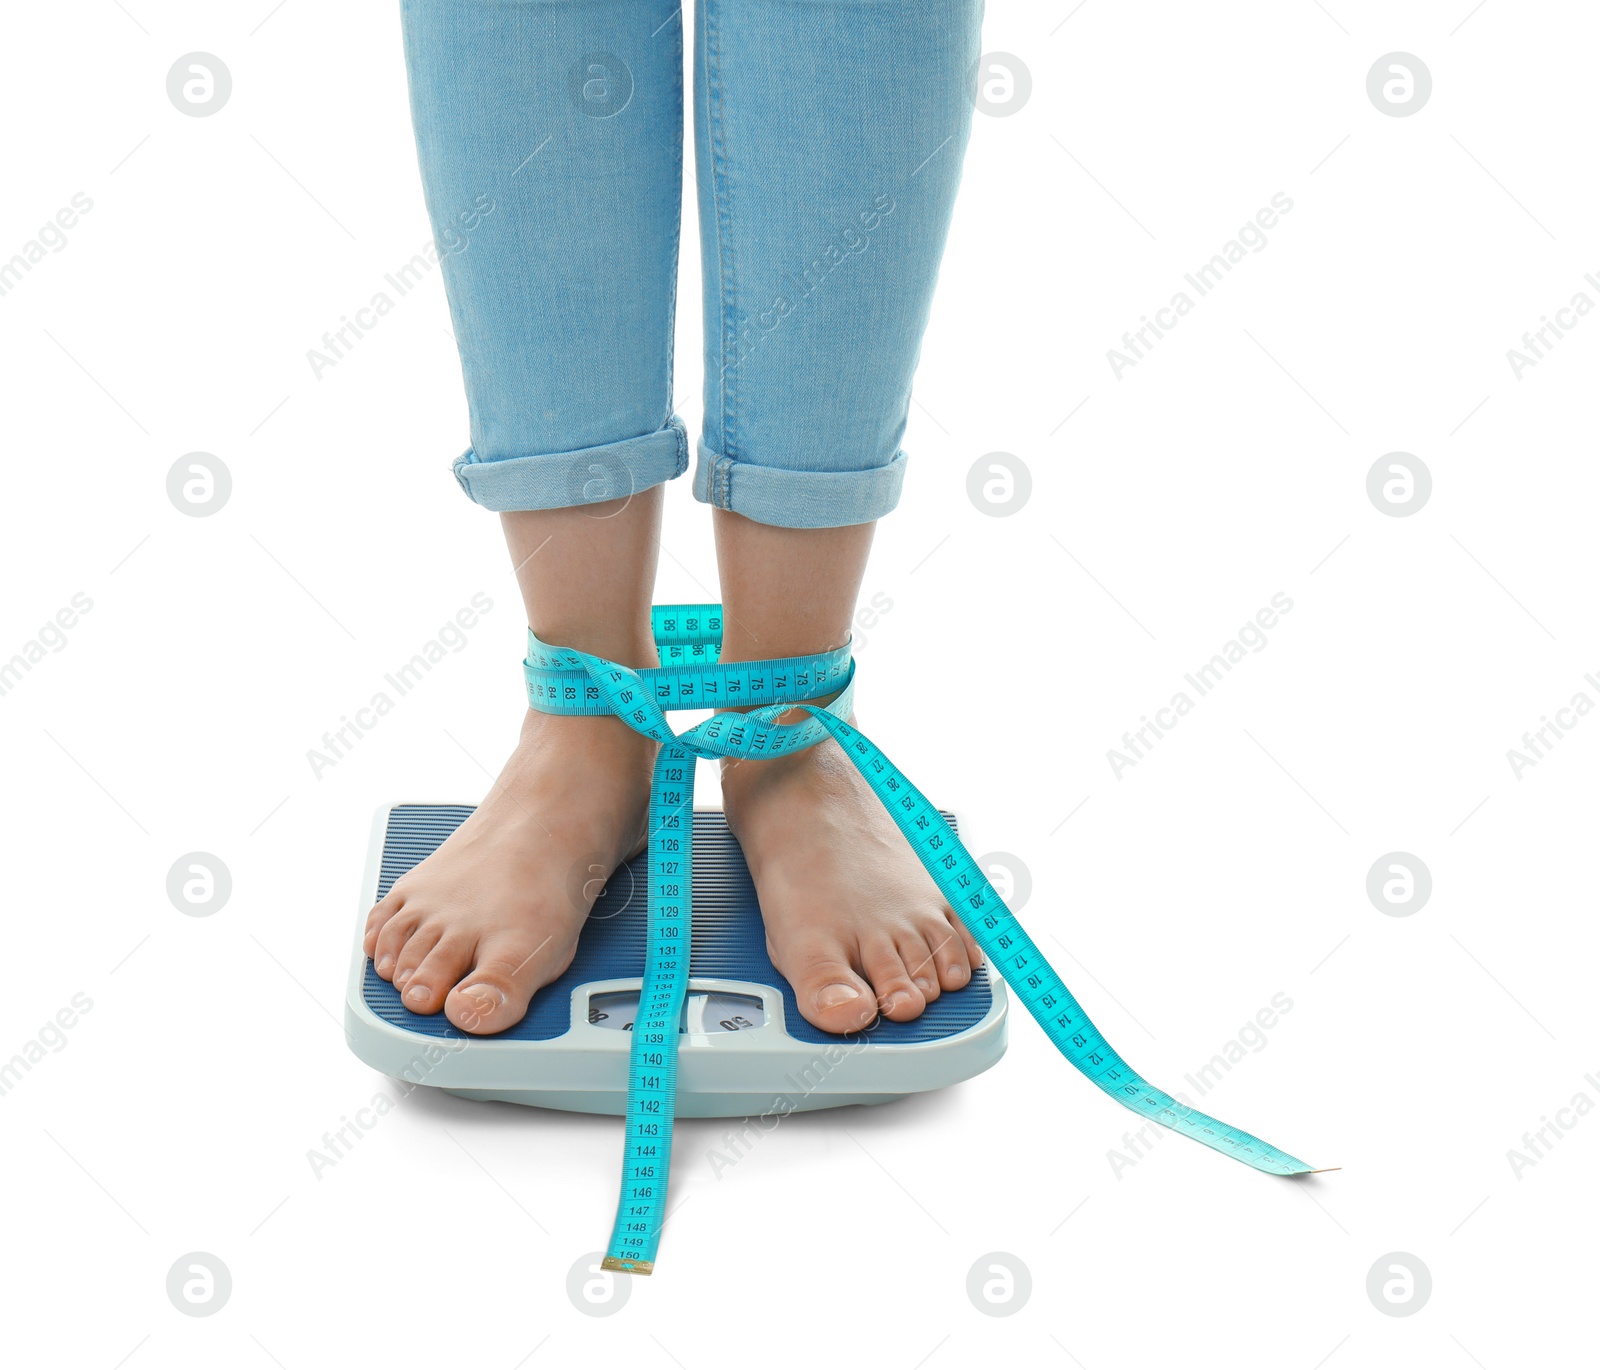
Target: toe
x,y
410,956
921,962
974,951
425,988
506,970
951,957
396,933
382,912
899,999
830,994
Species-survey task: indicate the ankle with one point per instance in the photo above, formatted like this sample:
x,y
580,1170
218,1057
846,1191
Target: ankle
x,y
740,776
628,644
582,747
740,646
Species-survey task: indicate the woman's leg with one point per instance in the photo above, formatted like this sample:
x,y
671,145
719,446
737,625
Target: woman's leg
x,y
853,921
548,135
829,137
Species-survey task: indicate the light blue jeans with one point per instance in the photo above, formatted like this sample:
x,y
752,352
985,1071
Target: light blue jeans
x,y
829,136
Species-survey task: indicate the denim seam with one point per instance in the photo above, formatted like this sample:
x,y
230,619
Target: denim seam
x,y
721,194
677,238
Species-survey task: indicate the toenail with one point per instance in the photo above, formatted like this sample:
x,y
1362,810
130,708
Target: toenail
x,y
898,1000
418,994
924,985
385,964
831,996
483,999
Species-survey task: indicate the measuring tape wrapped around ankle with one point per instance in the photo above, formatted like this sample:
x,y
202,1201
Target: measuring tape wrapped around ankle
x,y
690,676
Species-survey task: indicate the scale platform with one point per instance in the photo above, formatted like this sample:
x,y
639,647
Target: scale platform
x,y
744,1049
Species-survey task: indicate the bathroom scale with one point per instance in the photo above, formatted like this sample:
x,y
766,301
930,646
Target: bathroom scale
x,y
744,1049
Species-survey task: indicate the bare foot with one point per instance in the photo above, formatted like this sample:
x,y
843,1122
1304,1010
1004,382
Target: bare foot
x,y
854,922
494,914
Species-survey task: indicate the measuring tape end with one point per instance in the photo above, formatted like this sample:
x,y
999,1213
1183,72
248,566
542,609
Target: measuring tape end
x,y
627,1265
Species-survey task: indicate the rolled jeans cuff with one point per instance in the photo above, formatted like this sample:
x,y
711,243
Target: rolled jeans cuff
x,y
589,475
797,499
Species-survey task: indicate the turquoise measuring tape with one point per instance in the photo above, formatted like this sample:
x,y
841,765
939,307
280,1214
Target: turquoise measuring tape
x,y
688,642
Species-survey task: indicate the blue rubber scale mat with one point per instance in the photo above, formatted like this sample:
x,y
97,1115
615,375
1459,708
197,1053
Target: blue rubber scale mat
x,y
562,1049
730,942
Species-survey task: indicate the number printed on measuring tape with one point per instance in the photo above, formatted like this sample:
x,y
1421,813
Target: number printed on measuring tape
x,y
689,640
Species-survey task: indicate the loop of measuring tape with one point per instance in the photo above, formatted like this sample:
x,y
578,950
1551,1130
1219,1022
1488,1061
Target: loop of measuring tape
x,y
690,676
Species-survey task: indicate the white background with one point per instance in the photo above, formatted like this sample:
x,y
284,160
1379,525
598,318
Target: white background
x,y
1226,867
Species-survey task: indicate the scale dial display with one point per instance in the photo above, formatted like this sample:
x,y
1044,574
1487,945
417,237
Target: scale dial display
x,y
703,1011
